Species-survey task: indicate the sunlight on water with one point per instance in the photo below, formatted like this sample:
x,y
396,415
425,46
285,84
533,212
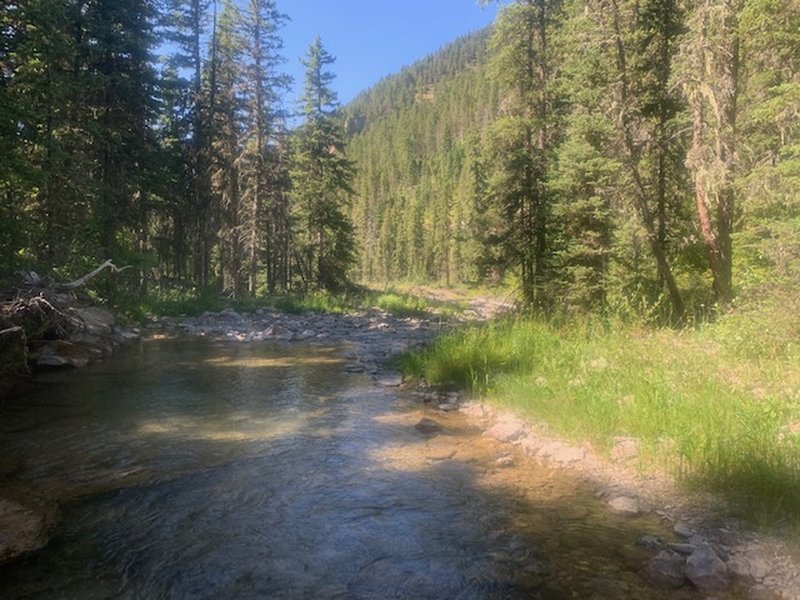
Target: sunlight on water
x,y
273,362
285,477
252,430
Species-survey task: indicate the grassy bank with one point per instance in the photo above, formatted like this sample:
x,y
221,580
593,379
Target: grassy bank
x,y
717,406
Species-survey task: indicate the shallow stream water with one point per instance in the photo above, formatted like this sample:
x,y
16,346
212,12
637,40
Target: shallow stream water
x,y
193,469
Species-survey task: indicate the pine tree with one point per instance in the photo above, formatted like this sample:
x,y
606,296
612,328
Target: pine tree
x,y
322,177
226,131
524,138
185,25
263,87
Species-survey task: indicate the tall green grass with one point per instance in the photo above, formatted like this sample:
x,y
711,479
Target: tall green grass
x,y
717,419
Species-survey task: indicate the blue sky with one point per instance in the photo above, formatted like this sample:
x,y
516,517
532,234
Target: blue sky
x,y
374,38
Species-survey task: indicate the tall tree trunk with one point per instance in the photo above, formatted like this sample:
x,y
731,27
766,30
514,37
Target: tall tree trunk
x,y
632,160
713,87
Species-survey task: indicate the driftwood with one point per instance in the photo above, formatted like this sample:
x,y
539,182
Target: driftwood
x,y
38,309
72,285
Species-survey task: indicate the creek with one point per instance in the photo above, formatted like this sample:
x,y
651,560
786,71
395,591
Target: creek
x,y
200,469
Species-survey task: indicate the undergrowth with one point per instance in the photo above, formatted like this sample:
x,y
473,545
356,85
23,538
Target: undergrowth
x,y
188,303
717,417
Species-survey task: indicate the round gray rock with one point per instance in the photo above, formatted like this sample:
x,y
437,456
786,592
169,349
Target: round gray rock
x,y
707,570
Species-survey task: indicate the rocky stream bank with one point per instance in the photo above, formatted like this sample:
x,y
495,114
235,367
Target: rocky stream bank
x,y
695,547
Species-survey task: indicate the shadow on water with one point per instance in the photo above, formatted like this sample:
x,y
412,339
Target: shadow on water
x,y
195,470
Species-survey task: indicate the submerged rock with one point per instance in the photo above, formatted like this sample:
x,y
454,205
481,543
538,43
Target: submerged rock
x,y
22,530
505,462
426,425
390,380
61,353
625,505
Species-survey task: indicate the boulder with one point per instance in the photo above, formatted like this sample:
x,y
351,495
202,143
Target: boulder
x,y
22,530
13,353
707,570
665,569
60,353
96,319
96,345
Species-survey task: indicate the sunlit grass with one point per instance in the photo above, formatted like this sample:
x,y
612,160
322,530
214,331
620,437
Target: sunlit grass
x,y
712,416
189,303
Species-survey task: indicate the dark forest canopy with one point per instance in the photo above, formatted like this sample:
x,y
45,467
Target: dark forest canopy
x,y
640,158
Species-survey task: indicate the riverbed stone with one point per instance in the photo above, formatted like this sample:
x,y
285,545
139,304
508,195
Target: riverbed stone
x,y
390,380
22,530
96,319
683,529
706,570
761,592
665,569
61,353
685,549
569,454
427,425
625,505
508,428
505,462
651,542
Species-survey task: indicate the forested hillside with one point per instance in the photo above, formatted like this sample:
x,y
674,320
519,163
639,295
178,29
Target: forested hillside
x,y
638,157
416,138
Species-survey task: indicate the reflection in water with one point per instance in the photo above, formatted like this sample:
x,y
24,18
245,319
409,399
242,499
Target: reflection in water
x,y
199,470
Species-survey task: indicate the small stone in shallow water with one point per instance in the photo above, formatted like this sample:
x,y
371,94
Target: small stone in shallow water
x,y
625,505
426,425
504,462
391,380
22,530
651,542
